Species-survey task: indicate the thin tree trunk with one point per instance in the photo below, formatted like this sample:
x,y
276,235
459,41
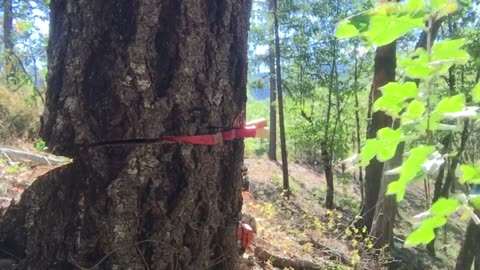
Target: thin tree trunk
x,y
437,192
358,125
327,147
272,147
9,63
122,71
281,118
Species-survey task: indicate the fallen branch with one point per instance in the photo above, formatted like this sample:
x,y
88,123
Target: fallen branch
x,y
15,154
282,263
334,255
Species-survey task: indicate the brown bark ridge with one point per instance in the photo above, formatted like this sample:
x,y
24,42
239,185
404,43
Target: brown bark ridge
x,y
384,72
127,70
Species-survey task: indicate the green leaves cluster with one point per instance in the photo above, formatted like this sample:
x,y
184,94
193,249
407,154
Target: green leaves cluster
x,y
385,23
406,103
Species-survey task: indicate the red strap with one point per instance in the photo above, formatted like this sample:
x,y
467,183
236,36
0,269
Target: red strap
x,y
245,234
213,139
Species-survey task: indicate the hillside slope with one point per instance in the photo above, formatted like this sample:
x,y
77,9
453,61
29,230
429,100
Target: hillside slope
x,y
301,228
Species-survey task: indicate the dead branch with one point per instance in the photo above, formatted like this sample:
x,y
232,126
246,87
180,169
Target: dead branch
x,y
15,154
282,263
333,254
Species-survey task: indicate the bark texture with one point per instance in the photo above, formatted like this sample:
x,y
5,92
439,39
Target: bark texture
x,y
384,72
469,250
126,70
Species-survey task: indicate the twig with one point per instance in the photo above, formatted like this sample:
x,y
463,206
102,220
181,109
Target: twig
x,y
41,159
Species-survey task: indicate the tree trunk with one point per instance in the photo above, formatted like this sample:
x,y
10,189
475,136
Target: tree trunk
x,y
437,192
327,148
8,44
272,146
358,127
386,208
384,72
281,119
121,71
327,168
469,247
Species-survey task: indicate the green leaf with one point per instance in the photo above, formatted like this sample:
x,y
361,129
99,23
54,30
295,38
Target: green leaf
x,y
369,151
475,201
389,140
476,93
435,222
398,188
422,235
444,207
412,166
385,29
415,110
354,25
346,30
446,53
438,4
451,104
469,174
414,5
417,65
443,7
394,96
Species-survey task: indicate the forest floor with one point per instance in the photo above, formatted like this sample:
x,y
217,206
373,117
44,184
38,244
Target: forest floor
x,y
302,229
298,233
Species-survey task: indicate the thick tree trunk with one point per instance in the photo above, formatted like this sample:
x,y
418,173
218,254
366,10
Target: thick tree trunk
x,y
384,72
121,71
283,143
272,146
386,208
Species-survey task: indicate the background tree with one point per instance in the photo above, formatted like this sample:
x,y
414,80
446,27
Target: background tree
x,y
131,72
281,117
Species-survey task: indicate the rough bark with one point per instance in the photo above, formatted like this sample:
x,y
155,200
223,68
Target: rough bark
x,y
384,72
123,71
281,118
272,146
385,210
469,248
